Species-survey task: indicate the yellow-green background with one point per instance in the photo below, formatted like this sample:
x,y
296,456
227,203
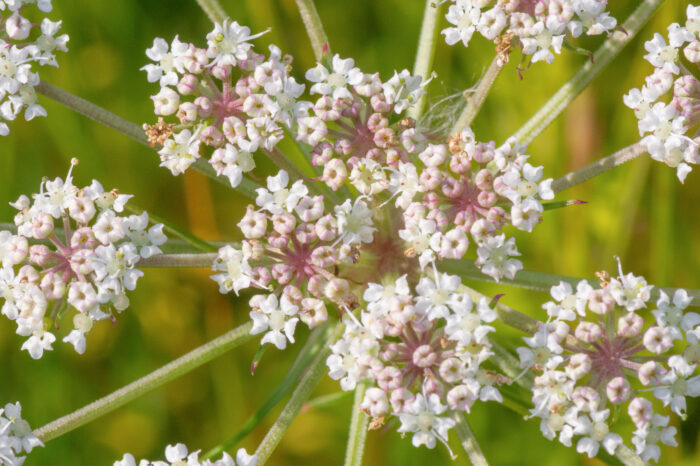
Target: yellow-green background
x,y
639,212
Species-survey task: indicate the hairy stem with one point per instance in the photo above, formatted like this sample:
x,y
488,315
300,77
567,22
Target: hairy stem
x,y
213,10
604,55
132,130
155,379
598,167
306,385
359,422
314,27
426,51
92,111
477,97
179,260
468,441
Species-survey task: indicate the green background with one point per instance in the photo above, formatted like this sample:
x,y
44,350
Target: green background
x,y
639,212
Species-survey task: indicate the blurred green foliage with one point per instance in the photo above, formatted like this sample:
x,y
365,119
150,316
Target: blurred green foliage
x,y
639,212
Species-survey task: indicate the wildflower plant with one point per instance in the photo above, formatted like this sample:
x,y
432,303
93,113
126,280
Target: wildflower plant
x,y
373,217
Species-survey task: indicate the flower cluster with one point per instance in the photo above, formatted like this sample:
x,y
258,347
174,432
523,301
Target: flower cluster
x,y
15,436
226,97
421,353
18,52
292,248
602,352
668,127
176,455
538,27
87,262
469,189
352,126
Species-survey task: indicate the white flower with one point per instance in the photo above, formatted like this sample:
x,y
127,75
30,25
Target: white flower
x,y
334,82
355,222
278,317
228,43
168,66
277,198
179,152
236,270
422,418
494,257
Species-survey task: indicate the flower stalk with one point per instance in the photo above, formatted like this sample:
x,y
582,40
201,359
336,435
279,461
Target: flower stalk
x,y
477,97
601,58
155,379
213,10
314,27
468,441
359,423
426,51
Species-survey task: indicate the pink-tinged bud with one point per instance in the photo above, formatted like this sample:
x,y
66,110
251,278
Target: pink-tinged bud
x,y
658,339
262,276
53,286
83,238
211,136
293,293
283,273
431,201
451,370
326,228
692,51
579,365
686,86
460,398
375,402
393,156
384,138
484,180
487,199
499,186
234,129
434,155
166,102
641,412
600,302
618,390
588,332
343,147
335,173
379,104
313,312
220,72
424,356
465,219
389,378
16,249
481,228
399,399
278,242
40,255
460,163
17,27
484,152
80,209
243,86
253,225
323,257
204,105
497,216
310,209
28,274
42,225
377,121
336,288
187,113
305,233
80,262
283,224
432,386
629,325
188,84
316,285
586,398
651,372
451,187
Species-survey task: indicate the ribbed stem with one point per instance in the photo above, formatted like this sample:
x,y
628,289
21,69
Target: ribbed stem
x,y
604,55
598,167
155,379
213,10
468,441
477,97
426,51
357,434
179,260
314,27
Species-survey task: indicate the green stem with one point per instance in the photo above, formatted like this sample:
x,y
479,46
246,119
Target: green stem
x,y
170,371
213,10
477,97
92,111
302,361
179,260
324,401
314,27
468,441
598,167
306,385
359,423
604,55
132,130
426,51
